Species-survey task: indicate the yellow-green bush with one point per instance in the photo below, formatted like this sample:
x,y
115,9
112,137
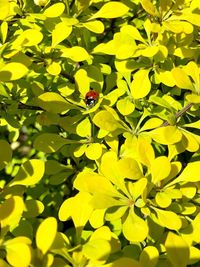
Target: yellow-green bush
x,y
112,185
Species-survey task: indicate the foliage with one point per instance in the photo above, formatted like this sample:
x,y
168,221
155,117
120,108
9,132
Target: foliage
x,y
117,184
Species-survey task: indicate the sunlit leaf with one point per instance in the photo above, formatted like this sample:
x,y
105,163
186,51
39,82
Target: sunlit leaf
x,y
12,71
111,10
54,10
29,173
141,86
149,256
46,234
177,250
60,33
75,53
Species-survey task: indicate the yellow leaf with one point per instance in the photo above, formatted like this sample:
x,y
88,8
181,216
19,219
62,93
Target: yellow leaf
x,y
18,255
98,249
83,128
54,10
177,250
97,218
191,145
136,189
145,151
111,10
12,71
30,173
134,228
158,173
94,26
181,79
46,234
60,33
82,81
190,173
54,68
123,261
31,37
75,53
125,106
168,219
32,208
163,200
105,120
149,256
129,168
141,85
133,31
4,9
93,151
193,98
149,7
166,135
151,123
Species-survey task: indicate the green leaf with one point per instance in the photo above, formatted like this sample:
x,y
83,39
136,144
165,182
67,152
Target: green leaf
x,y
5,153
134,228
30,173
141,85
33,208
49,142
60,33
177,250
56,10
4,9
12,71
111,10
149,256
75,53
46,234
52,102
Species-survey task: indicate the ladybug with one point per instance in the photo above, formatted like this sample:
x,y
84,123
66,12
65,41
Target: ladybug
x,y
91,98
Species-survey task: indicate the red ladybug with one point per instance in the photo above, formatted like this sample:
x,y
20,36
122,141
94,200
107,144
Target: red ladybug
x,y
91,98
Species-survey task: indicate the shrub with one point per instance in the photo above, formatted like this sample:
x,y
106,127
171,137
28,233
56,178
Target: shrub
x,y
114,184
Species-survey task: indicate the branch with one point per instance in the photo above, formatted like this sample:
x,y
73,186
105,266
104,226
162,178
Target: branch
x,y
178,114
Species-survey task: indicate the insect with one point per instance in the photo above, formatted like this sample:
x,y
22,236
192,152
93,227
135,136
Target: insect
x,y
91,98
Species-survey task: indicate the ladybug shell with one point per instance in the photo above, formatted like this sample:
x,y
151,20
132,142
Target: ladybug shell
x,y
91,98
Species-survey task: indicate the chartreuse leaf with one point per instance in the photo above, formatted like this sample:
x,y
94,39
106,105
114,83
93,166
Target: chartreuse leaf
x,y
18,254
168,219
54,68
82,5
93,151
94,26
4,9
30,173
52,102
79,209
32,208
133,31
3,263
163,200
11,211
134,228
145,151
193,98
149,256
89,182
181,79
141,85
177,250
97,218
60,33
84,128
75,53
82,81
106,120
5,153
46,234
50,142
149,7
111,10
136,189
193,71
31,37
125,106
97,249
103,201
129,168
158,173
3,31
194,255
12,71
55,10
166,135
123,261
